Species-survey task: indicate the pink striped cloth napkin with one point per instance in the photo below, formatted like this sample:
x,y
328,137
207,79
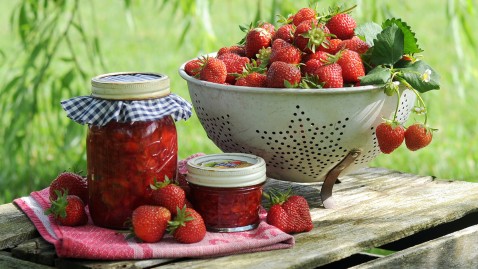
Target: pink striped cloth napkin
x,y
93,242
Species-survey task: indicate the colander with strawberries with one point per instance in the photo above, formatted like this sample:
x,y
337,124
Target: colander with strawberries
x,y
309,99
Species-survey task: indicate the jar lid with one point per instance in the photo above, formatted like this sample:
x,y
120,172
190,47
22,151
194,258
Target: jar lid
x,y
226,170
130,86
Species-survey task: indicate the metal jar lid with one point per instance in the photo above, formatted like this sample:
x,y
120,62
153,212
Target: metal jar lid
x,y
130,86
226,170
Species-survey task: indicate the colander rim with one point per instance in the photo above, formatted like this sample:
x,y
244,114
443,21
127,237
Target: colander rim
x,y
224,87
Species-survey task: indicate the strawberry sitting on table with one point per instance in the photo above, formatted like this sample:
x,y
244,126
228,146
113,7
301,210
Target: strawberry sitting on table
x,y
188,226
290,213
71,182
68,210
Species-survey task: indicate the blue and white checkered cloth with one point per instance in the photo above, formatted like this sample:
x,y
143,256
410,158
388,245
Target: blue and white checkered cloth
x,y
96,111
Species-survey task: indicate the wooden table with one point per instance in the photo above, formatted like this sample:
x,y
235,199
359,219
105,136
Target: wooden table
x,y
422,221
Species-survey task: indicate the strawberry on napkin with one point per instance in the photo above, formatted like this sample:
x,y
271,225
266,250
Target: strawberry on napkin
x,y
93,242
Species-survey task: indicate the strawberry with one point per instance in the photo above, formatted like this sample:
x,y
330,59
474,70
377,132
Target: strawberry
x,y
234,65
213,70
285,52
356,44
285,32
304,14
236,49
290,213
309,35
188,226
193,67
168,195
73,183
68,210
253,79
318,55
268,26
149,222
352,66
256,39
332,46
390,135
418,136
342,25
330,75
281,75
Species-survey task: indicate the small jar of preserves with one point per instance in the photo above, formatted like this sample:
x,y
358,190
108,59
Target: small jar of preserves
x,y
131,141
226,189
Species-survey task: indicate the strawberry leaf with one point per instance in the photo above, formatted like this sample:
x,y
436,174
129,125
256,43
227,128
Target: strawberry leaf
x,y
378,75
388,46
410,41
420,76
368,32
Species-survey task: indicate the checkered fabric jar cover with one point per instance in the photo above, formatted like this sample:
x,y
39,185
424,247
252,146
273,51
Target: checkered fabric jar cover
x,y
127,97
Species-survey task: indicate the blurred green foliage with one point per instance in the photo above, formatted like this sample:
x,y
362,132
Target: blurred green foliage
x,y
49,50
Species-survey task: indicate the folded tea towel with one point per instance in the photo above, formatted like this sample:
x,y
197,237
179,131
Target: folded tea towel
x,y
93,242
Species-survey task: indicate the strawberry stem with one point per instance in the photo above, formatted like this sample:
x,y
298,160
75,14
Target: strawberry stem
x,y
420,100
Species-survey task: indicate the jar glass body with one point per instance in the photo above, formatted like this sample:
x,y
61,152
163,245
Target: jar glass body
x,y
123,159
229,209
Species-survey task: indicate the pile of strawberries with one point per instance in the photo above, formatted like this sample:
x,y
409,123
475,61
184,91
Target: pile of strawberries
x,y
306,50
168,211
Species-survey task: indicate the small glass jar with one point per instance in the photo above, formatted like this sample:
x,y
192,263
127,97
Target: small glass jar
x,y
124,158
226,189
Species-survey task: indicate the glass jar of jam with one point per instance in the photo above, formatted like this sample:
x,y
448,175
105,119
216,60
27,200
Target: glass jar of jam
x,y
125,157
226,189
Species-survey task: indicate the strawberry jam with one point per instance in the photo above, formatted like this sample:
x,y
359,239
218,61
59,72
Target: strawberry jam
x,y
226,189
123,159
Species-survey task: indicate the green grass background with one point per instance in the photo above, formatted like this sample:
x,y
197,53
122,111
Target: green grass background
x,y
145,37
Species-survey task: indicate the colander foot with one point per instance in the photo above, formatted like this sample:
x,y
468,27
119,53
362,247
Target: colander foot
x,y
332,177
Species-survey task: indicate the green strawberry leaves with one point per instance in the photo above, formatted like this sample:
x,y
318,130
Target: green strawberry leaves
x,y
388,46
420,76
410,42
389,43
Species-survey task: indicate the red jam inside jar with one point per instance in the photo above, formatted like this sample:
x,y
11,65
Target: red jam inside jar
x,y
123,159
226,189
225,209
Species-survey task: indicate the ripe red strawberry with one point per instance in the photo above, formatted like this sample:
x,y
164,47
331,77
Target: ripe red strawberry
x,y
268,26
289,213
318,55
188,226
390,135
285,32
284,52
304,14
342,26
332,46
235,64
149,222
356,44
418,136
352,66
193,67
68,210
330,75
168,195
213,70
282,75
73,183
309,36
256,39
253,79
236,49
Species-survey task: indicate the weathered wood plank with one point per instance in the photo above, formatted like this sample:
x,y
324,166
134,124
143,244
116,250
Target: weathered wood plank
x,y
378,206
36,250
8,262
456,250
15,227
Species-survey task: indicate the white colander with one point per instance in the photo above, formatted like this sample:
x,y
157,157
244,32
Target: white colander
x,y
302,134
